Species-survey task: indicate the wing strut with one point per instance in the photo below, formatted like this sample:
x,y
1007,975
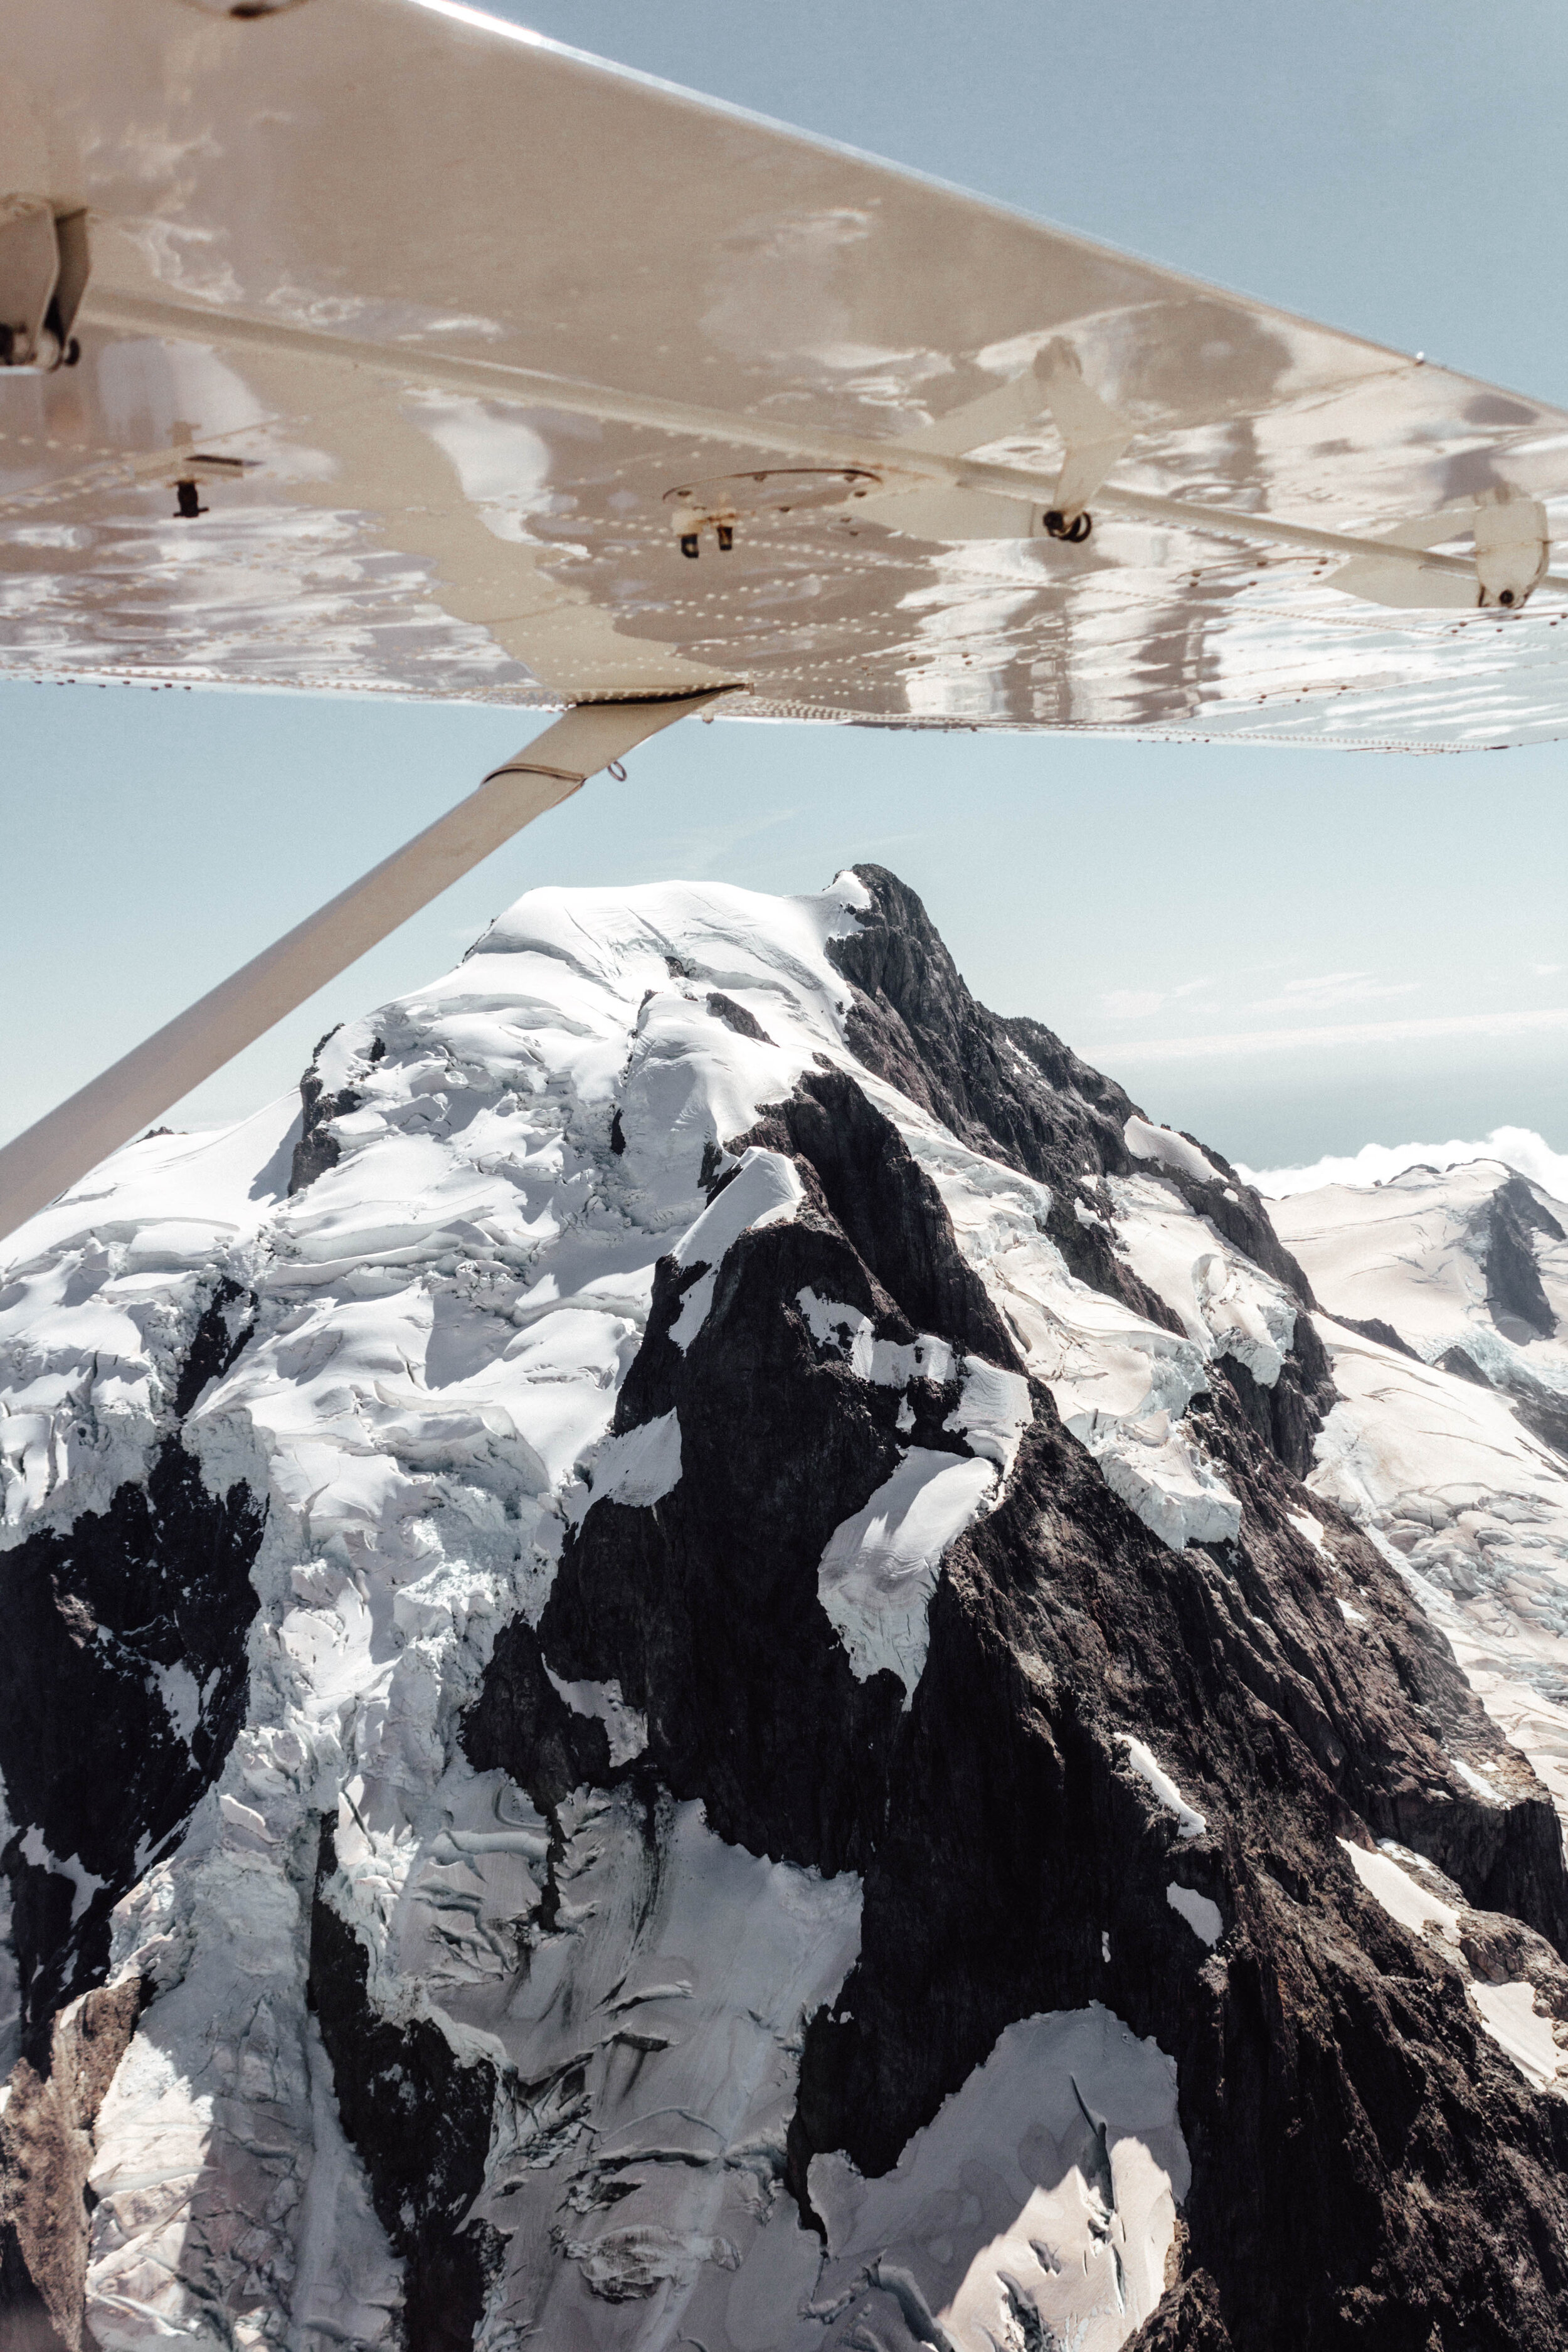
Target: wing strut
x,y
39,1164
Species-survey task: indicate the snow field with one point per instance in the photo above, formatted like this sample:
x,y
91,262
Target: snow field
x,y
1461,1496
1411,1253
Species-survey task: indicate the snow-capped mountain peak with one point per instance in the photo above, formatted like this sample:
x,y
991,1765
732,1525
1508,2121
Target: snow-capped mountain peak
x,y
693,1664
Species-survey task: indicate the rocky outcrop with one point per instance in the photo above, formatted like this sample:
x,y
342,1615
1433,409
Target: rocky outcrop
x,y
123,1685
317,1148
862,1180
1373,1327
45,2154
1016,1093
1515,1296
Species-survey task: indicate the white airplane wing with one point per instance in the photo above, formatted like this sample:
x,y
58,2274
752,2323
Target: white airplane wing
x,y
457,340
375,345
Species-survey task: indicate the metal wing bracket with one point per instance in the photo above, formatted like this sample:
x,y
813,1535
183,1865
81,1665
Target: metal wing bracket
x,y
1512,546
42,276
1094,436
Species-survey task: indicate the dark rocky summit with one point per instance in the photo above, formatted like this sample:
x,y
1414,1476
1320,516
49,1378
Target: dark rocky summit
x,y
914,1022
1368,2169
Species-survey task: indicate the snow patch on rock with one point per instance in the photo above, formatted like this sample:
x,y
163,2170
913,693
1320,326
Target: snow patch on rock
x,y
1038,2207
993,1411
1311,1530
641,1467
765,1189
1201,1916
1520,2030
1163,1145
1400,1894
604,1703
886,1363
1121,1384
1486,1790
1190,1822
880,1568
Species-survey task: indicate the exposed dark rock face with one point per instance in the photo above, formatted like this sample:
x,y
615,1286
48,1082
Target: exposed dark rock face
x,y
226,1323
123,1685
886,1206
1546,1417
316,1150
1373,1327
915,1023
1009,1088
711,1613
1188,2320
1514,1292
423,2122
736,1017
1289,1415
549,1749
1013,1090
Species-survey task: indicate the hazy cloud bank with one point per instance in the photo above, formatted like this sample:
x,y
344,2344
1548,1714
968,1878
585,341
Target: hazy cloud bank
x,y
1375,1163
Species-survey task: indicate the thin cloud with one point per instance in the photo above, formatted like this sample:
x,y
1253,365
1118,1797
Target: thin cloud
x,y
1330,989
1545,971
1145,1051
1138,1004
1321,992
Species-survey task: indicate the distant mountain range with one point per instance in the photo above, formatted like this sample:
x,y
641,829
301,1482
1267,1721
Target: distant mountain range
x,y
713,1655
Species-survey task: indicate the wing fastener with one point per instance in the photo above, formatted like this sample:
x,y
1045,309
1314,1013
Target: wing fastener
x,y
196,469
42,276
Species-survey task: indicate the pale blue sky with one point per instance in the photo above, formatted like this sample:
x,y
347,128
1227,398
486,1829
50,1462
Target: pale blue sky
x,y
1393,168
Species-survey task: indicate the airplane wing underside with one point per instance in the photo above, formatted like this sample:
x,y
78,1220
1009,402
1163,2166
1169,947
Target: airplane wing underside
x,y
420,356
